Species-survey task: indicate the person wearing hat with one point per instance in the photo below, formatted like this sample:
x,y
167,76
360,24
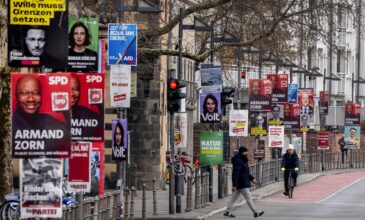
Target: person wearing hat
x,y
241,182
290,162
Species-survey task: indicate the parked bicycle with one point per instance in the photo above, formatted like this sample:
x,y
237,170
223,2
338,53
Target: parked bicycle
x,y
181,165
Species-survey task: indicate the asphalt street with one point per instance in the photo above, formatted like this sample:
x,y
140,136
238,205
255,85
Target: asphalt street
x,y
340,196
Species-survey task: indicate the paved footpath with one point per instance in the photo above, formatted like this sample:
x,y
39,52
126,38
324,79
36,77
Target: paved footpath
x,y
312,181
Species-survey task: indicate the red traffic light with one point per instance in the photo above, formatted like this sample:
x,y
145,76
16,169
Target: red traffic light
x,y
173,84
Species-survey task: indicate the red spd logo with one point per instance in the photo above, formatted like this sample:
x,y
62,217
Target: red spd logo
x,y
60,101
95,96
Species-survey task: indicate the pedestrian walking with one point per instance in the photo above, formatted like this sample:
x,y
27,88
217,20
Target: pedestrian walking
x,y
241,182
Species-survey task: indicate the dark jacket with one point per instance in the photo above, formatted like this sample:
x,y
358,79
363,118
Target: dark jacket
x,y
290,162
241,177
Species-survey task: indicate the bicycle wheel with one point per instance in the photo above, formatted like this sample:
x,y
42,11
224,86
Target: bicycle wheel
x,y
290,187
10,210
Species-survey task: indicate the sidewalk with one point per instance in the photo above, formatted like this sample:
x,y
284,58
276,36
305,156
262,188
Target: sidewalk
x,y
218,205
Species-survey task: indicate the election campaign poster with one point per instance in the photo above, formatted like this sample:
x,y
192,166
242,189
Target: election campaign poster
x,y
260,95
211,78
352,113
211,148
87,105
97,170
291,117
323,140
83,44
37,34
119,139
122,44
133,84
276,116
258,123
293,93
41,114
238,123
79,170
210,107
279,85
323,102
352,137
181,130
41,188
120,86
276,136
306,101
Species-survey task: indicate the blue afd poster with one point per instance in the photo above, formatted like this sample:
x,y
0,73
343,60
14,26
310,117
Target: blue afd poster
x,y
293,93
122,44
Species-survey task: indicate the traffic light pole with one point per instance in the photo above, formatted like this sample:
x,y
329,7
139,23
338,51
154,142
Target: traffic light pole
x,y
172,164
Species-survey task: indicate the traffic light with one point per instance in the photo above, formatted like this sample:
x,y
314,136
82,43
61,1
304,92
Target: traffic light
x,y
226,95
174,95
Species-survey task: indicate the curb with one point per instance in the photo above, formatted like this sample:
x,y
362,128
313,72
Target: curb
x,y
320,174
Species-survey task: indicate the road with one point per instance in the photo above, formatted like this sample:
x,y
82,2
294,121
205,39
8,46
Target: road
x,y
340,196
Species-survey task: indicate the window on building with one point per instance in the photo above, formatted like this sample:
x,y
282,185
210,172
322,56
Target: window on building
x,y
320,60
341,61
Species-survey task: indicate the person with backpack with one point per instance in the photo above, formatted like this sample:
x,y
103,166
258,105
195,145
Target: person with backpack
x,y
241,182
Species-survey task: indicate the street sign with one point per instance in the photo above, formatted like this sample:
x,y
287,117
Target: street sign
x,y
323,140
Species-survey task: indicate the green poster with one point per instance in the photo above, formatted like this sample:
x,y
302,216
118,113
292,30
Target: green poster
x,y
211,148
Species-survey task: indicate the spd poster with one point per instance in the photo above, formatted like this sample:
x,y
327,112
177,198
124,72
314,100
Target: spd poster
x,y
37,34
87,105
238,123
79,173
119,139
352,113
279,84
260,95
41,188
291,117
40,108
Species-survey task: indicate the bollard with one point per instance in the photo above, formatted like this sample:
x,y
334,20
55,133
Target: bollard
x,y
202,194
226,182
189,196
197,191
115,211
209,188
144,201
108,206
154,198
126,203
220,181
131,215
210,179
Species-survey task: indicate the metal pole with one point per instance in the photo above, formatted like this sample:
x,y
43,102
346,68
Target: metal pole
x,y
358,50
211,170
291,75
301,44
260,65
352,87
179,71
172,164
330,53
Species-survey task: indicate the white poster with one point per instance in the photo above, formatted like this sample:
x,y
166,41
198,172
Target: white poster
x,y
211,78
41,188
276,136
181,130
238,123
120,86
134,84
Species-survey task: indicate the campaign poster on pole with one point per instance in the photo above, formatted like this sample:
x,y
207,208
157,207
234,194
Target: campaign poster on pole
x,y
87,101
119,139
276,116
181,130
258,123
297,143
352,113
37,34
323,102
41,188
260,95
97,170
279,84
291,117
122,44
79,170
120,86
211,78
323,140
293,93
352,137
238,123
83,44
276,136
306,101
211,148
210,107
41,115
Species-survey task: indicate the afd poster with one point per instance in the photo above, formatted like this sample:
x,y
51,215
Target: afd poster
x,y
211,78
87,105
41,188
83,44
211,148
260,95
238,123
37,34
122,44
120,86
210,107
79,173
279,84
181,131
293,93
119,139
41,122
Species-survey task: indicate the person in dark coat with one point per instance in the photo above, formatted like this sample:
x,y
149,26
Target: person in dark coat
x,y
290,162
241,182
